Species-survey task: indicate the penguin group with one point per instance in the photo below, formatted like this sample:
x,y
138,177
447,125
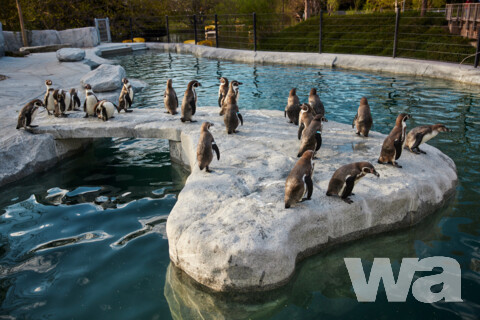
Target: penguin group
x,y
309,117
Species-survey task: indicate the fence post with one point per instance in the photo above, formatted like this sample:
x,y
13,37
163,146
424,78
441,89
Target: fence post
x,y
131,29
477,52
320,32
216,30
195,26
168,29
395,38
254,31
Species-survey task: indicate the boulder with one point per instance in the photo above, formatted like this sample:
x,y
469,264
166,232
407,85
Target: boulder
x,y
2,42
106,77
80,37
70,54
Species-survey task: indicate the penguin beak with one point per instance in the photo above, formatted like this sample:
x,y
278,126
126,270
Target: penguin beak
x,y
240,83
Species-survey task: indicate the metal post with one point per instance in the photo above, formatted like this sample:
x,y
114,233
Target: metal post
x,y
131,29
395,38
168,29
477,52
195,26
320,32
254,31
216,30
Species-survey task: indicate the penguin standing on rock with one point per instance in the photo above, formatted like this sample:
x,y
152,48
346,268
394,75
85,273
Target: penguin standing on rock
x,y
394,142
74,100
232,116
299,181
293,107
28,113
170,99
125,100
233,90
206,146
49,101
345,178
59,102
90,102
316,103
189,103
306,116
363,119
422,134
312,136
222,91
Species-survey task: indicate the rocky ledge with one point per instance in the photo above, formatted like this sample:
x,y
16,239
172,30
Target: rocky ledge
x,y
229,229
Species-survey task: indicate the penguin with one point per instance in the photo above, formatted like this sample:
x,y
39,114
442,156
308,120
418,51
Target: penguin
x,y
90,101
293,107
312,136
363,119
233,90
67,99
206,144
105,109
59,102
222,91
170,99
48,100
28,113
74,100
299,181
422,134
189,103
345,178
316,103
394,142
232,115
306,116
125,100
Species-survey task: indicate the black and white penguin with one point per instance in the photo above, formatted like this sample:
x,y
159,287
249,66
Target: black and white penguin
x,y
299,181
90,102
232,116
49,101
292,110
422,134
206,146
74,100
170,98
394,143
189,103
233,90
363,119
28,113
125,100
59,101
105,109
306,116
312,136
222,91
345,178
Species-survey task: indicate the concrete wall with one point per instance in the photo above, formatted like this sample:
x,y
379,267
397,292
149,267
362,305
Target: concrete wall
x,y
78,38
2,42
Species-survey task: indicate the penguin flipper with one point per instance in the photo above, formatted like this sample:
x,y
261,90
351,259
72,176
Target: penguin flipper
x,y
127,97
193,106
398,148
76,100
309,183
349,184
354,119
215,148
240,117
418,141
318,137
220,97
85,105
300,130
176,99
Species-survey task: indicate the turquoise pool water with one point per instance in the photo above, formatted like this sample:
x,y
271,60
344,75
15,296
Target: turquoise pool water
x,y
86,240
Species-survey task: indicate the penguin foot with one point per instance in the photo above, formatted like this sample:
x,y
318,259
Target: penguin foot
x,y
421,151
182,119
128,111
414,151
192,121
208,169
329,194
305,199
287,205
86,116
358,133
32,126
348,200
396,165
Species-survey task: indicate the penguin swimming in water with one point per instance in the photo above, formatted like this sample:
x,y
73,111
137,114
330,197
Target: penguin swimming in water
x,y
232,115
28,113
363,119
74,100
170,98
222,91
299,181
422,134
125,100
49,101
90,102
316,103
306,116
206,146
189,103
312,136
233,90
345,178
293,107
105,109
394,142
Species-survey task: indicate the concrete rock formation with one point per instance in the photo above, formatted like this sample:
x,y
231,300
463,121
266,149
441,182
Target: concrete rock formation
x,y
229,230
2,42
105,78
80,37
70,55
